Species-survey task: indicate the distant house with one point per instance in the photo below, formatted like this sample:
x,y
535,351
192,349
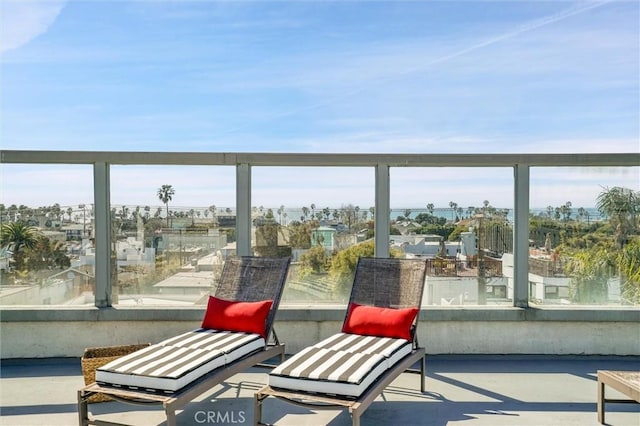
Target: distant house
x,y
5,255
55,235
80,278
73,231
427,246
186,283
324,236
406,227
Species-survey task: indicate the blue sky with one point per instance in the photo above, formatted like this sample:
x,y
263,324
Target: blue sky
x,y
320,76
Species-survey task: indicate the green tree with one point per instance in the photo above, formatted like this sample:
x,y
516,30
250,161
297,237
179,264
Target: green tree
x,y
18,237
621,206
429,219
299,234
313,261
454,209
165,194
630,272
46,254
430,208
590,271
343,264
326,212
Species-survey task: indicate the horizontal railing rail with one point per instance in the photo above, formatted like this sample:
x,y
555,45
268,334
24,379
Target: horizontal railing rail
x,y
314,159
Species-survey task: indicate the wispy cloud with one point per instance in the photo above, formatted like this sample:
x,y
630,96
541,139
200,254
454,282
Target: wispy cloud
x,y
23,20
491,77
549,77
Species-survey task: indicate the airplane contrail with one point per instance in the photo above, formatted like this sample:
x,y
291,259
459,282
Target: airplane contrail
x,y
527,27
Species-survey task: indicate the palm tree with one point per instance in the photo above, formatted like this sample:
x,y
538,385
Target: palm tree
x,y
470,210
165,194
454,208
581,213
566,211
280,211
590,271
327,212
430,208
18,236
621,206
47,254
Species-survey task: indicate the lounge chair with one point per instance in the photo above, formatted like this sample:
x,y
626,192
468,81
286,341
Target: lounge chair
x,y
236,333
377,343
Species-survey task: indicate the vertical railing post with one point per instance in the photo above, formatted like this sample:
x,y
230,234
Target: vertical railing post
x,y
243,212
102,230
382,211
521,237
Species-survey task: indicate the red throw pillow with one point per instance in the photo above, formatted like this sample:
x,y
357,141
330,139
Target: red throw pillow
x,y
381,322
250,317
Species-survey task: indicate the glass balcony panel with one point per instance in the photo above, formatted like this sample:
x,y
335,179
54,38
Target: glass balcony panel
x,y
461,221
172,228
46,217
584,236
320,216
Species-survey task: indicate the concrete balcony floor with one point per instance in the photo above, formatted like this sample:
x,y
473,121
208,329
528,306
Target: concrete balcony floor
x,y
461,390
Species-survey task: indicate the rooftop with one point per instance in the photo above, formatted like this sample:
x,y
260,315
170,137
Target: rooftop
x,y
470,390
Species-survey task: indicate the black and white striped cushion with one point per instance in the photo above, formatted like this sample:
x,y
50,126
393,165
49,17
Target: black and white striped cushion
x,y
385,346
343,364
173,363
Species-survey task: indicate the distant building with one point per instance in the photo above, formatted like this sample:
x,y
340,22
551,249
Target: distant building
x,y
427,246
324,236
195,283
73,231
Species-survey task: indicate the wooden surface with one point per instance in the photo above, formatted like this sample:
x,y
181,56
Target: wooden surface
x,y
625,382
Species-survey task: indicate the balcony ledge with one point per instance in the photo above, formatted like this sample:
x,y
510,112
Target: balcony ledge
x,y
303,312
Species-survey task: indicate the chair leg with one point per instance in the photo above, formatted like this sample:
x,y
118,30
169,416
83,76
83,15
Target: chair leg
x,y
83,410
601,402
171,418
257,409
423,371
355,418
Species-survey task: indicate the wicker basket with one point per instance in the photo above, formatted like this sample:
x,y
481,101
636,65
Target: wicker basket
x,y
93,358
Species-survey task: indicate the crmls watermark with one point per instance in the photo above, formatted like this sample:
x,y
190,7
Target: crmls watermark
x,y
219,417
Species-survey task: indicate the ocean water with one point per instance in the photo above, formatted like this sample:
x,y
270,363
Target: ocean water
x,y
447,213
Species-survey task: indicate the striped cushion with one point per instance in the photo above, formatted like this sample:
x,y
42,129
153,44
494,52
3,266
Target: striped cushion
x,y
174,363
343,364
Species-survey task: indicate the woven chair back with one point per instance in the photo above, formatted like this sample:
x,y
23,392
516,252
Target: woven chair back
x,y
389,283
253,279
